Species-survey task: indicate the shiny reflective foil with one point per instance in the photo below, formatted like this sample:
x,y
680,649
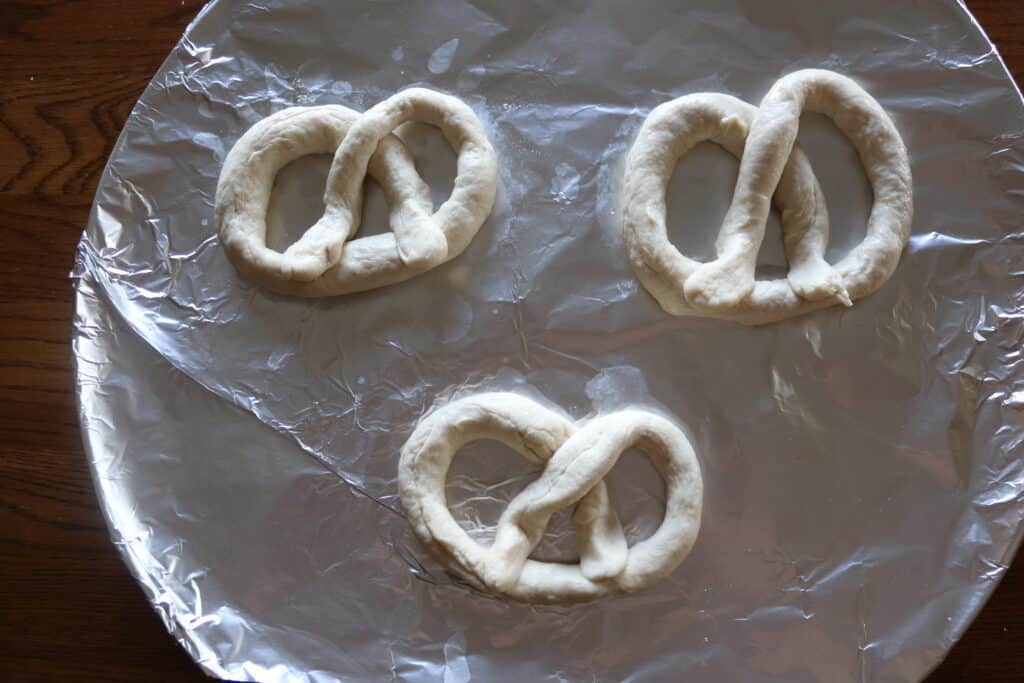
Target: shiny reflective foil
x,y
863,469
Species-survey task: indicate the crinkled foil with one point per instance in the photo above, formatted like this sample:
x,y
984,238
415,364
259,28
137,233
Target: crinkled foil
x,y
863,468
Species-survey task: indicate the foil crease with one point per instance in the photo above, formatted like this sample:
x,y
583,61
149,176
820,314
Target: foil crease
x,y
863,470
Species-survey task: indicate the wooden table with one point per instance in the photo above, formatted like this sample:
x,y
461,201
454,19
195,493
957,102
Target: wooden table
x,y
70,72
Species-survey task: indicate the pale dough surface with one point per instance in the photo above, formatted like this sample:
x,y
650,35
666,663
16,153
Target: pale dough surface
x,y
576,457
763,138
322,262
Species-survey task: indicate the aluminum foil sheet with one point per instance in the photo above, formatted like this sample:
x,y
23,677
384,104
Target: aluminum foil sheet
x,y
863,470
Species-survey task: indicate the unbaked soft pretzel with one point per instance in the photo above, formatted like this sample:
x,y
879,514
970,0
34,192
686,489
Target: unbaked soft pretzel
x,y
576,457
322,262
763,138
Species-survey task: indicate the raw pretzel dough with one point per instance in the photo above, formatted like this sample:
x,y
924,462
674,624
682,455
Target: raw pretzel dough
x,y
321,262
576,458
764,140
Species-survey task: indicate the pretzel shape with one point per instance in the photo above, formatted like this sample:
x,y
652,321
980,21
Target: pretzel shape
x,y
770,163
576,458
321,262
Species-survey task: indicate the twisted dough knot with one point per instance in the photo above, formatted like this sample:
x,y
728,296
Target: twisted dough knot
x,y
575,458
763,138
321,262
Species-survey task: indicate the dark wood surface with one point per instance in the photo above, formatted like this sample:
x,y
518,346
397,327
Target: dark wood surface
x,y
70,72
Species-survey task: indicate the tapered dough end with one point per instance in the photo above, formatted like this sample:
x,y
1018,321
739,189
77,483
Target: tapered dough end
x,y
422,247
717,286
429,254
318,250
817,280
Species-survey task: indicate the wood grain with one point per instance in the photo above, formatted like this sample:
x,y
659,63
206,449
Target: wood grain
x,y
70,72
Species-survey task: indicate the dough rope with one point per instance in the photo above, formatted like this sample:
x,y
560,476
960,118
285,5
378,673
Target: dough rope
x,y
576,457
763,138
322,262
